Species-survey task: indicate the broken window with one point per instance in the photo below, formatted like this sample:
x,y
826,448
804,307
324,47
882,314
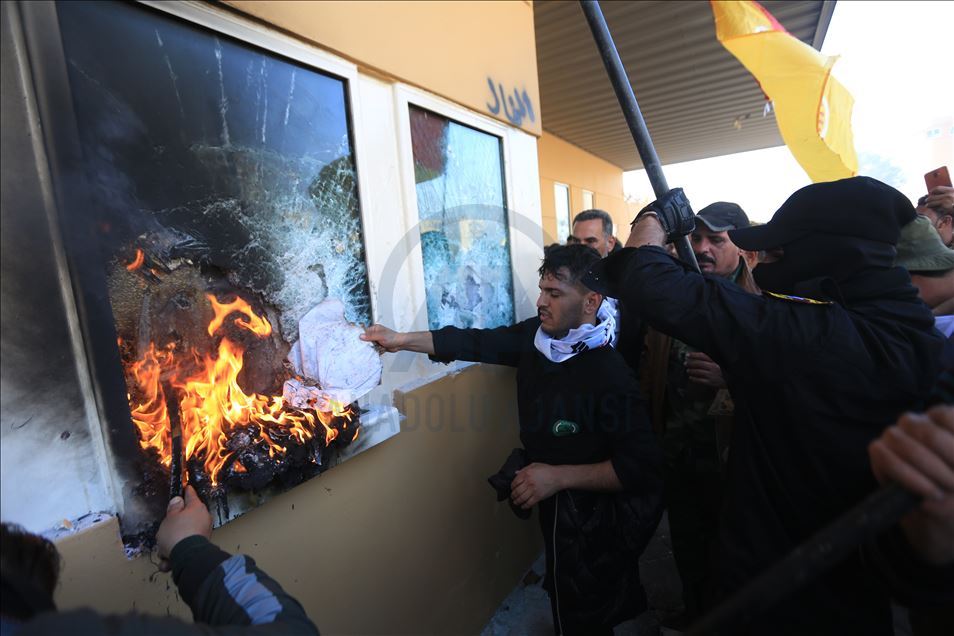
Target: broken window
x,y
465,240
224,206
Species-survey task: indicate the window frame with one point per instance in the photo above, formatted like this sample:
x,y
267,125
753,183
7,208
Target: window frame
x,y
406,96
556,210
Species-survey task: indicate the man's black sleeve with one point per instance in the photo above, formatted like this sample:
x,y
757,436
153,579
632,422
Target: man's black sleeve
x,y
715,315
229,596
501,345
230,590
635,453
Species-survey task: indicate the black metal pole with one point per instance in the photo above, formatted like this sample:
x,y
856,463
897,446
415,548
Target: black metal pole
x,y
875,514
175,435
630,107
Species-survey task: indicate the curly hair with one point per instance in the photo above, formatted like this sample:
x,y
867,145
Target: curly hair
x,y
576,258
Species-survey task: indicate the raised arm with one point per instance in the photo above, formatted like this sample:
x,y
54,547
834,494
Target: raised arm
x,y
712,314
392,341
500,345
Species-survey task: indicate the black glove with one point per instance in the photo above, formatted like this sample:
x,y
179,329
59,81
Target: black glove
x,y
674,214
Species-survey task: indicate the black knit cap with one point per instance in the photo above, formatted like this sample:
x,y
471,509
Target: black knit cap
x,y
859,207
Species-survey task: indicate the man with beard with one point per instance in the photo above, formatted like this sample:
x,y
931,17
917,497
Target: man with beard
x,y
835,351
691,409
592,464
594,228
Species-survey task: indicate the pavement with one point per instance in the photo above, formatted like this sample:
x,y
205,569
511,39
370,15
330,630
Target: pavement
x,y
526,611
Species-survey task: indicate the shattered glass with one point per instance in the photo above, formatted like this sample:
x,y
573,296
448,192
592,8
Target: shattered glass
x,y
215,169
244,157
465,240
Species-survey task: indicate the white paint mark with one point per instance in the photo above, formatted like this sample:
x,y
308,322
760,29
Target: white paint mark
x,y
223,100
264,84
291,94
172,74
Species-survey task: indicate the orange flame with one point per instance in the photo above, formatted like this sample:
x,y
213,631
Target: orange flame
x,y
212,404
255,324
137,262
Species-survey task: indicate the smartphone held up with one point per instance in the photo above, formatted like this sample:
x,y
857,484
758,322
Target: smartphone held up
x,y
937,177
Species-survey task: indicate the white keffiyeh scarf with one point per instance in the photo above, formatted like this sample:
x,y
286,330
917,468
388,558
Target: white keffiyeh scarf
x,y
582,338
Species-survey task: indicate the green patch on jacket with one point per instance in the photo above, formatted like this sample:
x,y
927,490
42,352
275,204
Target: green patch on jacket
x,y
562,428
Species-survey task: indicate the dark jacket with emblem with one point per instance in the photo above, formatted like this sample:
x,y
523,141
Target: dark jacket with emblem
x,y
813,384
584,410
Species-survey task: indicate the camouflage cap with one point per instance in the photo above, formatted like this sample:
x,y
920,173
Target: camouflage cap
x,y
920,248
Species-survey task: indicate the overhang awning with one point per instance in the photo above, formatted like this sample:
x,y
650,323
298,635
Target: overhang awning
x,y
697,99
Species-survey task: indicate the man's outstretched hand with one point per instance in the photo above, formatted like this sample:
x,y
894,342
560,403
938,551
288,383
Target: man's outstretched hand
x,y
184,518
918,453
393,341
387,339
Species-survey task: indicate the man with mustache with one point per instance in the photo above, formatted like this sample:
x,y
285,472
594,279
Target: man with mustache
x,y
592,464
691,410
819,365
594,228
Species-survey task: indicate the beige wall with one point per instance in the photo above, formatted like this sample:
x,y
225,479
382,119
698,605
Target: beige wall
x,y
561,161
447,48
406,538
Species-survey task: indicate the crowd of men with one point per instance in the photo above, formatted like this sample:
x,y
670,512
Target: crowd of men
x,y
757,400
765,385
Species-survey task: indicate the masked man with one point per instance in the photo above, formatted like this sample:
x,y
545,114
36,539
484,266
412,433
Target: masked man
x,y
818,368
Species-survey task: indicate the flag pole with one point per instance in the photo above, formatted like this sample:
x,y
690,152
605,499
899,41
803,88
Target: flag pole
x,y
634,117
829,546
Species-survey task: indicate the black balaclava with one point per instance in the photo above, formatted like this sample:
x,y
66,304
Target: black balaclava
x,y
810,260
836,237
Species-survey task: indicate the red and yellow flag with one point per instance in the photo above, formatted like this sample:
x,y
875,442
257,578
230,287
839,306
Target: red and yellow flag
x,y
812,108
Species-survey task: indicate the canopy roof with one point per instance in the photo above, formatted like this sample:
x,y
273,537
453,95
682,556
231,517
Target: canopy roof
x,y
697,99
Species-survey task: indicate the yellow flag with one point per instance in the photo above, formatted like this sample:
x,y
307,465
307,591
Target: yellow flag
x,y
812,108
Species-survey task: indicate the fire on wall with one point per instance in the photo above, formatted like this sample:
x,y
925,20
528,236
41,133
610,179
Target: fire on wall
x,y
210,216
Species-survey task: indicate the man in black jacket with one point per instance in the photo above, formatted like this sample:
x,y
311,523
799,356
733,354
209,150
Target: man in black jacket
x,y
228,594
593,465
817,369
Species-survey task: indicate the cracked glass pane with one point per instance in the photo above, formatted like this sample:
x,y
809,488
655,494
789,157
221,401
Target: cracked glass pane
x,y
223,207
465,241
237,157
